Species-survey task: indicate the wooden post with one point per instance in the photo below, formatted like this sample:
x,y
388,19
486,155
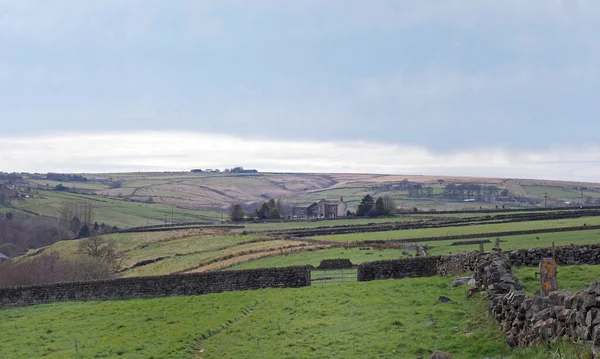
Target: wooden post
x,y
480,247
548,280
553,252
497,244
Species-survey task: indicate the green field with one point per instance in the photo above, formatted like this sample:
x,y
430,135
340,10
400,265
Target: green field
x,y
114,212
381,319
573,278
356,256
519,242
470,229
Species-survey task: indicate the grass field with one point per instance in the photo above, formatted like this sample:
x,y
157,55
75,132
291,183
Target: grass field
x,y
356,256
114,212
573,278
471,229
381,319
521,241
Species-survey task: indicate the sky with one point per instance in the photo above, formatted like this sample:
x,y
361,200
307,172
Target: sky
x,y
501,88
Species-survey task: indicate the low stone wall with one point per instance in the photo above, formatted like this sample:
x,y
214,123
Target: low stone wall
x,y
565,255
157,286
529,321
397,268
418,267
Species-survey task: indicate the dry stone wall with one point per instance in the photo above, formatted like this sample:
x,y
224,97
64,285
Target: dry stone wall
x,y
157,286
529,321
565,255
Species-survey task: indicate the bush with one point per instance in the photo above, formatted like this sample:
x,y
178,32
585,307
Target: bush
x,y
50,268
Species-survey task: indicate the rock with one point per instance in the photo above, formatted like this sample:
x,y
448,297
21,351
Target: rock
x,y
444,299
440,355
472,283
461,281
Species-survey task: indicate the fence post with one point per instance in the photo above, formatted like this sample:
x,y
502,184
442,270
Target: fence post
x,y
342,275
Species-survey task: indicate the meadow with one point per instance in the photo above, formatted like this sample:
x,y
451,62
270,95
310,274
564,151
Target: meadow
x,y
573,277
467,229
383,319
114,212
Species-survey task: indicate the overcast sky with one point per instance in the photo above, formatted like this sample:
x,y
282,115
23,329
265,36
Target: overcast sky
x,y
503,88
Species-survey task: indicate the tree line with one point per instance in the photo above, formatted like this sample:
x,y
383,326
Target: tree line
x,y
271,209
382,206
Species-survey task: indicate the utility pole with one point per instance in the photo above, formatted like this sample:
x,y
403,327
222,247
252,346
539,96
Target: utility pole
x,y
545,199
172,216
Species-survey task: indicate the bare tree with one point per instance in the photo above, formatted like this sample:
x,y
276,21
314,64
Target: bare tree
x,y
98,248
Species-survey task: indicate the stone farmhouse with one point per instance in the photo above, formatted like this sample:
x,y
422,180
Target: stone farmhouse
x,y
322,209
7,191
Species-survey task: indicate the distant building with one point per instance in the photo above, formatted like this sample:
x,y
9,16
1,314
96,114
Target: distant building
x,y
321,209
3,257
242,170
197,170
8,191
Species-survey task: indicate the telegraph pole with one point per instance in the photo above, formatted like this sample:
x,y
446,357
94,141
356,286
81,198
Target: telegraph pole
x,y
172,216
545,199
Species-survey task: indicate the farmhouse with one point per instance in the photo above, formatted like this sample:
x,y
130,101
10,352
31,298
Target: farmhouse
x,y
3,257
322,209
7,191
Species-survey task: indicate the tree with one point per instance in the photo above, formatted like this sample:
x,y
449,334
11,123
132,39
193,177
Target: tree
x,y
389,205
275,214
99,249
365,205
379,207
264,212
84,232
236,213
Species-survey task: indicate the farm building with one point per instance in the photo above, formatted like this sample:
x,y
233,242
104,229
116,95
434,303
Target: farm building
x,y
322,209
3,257
7,191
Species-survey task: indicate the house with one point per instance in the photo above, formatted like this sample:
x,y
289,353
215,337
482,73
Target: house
x,y
7,191
3,258
322,209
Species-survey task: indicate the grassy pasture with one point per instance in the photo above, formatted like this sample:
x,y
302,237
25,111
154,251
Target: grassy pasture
x,y
573,278
471,229
520,242
356,256
113,211
380,319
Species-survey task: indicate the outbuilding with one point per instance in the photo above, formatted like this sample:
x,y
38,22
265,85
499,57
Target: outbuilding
x,y
3,257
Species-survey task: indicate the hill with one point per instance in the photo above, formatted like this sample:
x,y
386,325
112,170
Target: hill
x,y
135,199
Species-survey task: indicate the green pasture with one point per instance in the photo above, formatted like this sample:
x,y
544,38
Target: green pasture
x,y
573,277
519,242
356,256
380,319
470,229
114,212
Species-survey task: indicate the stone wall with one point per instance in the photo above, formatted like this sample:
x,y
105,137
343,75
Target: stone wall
x,y
397,268
157,286
529,321
418,267
565,255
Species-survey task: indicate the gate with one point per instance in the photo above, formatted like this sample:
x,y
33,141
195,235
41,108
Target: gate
x,y
332,276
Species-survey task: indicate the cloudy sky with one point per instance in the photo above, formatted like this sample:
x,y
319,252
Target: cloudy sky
x,y
498,88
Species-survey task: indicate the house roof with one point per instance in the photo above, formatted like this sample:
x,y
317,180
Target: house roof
x,y
2,256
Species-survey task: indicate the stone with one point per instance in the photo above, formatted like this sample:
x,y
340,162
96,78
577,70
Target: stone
x,y
461,281
444,299
440,355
